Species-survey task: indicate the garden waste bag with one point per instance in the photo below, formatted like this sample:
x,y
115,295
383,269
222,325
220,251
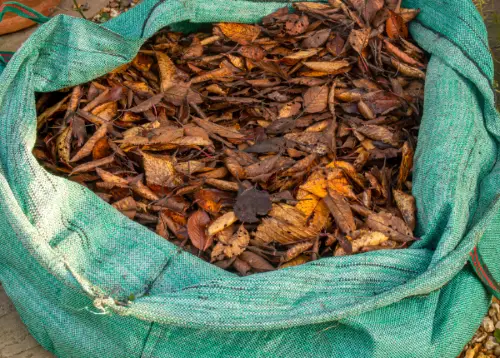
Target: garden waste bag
x,y
89,282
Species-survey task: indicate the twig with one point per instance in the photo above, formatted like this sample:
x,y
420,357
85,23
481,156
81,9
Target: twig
x,y
79,9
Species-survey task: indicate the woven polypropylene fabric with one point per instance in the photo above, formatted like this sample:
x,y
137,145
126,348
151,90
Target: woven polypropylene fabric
x,y
67,257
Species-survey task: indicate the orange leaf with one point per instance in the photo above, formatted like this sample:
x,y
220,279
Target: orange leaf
x,y
196,225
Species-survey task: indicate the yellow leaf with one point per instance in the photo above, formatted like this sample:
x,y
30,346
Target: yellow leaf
x,y
240,33
63,144
337,182
320,217
370,238
307,202
167,71
316,184
326,66
302,259
221,223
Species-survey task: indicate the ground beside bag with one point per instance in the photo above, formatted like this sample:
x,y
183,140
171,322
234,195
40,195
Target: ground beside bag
x,y
69,261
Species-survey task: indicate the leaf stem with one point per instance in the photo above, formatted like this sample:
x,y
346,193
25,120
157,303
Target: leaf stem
x,y
79,9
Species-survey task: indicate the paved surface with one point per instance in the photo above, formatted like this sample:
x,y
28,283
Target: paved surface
x,y
12,42
15,340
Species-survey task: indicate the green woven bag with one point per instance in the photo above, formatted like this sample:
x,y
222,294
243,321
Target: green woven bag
x,y
69,261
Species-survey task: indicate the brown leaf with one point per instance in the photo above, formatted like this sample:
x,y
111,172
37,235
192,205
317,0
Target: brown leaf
x,y
265,166
358,39
217,129
300,55
297,25
63,144
86,167
241,266
406,164
147,104
391,226
142,62
406,205
407,70
167,71
111,178
286,225
367,8
88,147
250,203
315,99
295,251
241,33
195,50
341,211
316,39
401,55
327,66
211,200
46,115
395,26
300,260
222,184
101,149
369,238
256,262
379,133
238,243
252,52
290,109
160,170
196,226
335,45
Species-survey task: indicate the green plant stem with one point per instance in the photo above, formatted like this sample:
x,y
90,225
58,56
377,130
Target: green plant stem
x,y
78,8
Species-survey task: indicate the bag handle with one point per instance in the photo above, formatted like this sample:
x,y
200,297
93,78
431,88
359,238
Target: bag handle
x,y
23,11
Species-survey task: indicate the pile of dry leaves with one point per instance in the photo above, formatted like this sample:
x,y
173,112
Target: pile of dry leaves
x,y
255,147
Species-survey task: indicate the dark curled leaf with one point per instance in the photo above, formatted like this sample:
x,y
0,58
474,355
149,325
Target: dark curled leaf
x,y
250,203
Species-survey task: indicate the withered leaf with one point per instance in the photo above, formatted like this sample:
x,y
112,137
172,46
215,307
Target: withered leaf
x,y
147,104
167,71
241,33
358,39
89,145
196,226
301,128
253,52
315,99
160,170
298,25
250,203
299,260
86,167
64,145
341,211
406,164
256,262
295,251
379,133
406,205
222,222
395,26
316,39
367,8
218,129
390,225
327,66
